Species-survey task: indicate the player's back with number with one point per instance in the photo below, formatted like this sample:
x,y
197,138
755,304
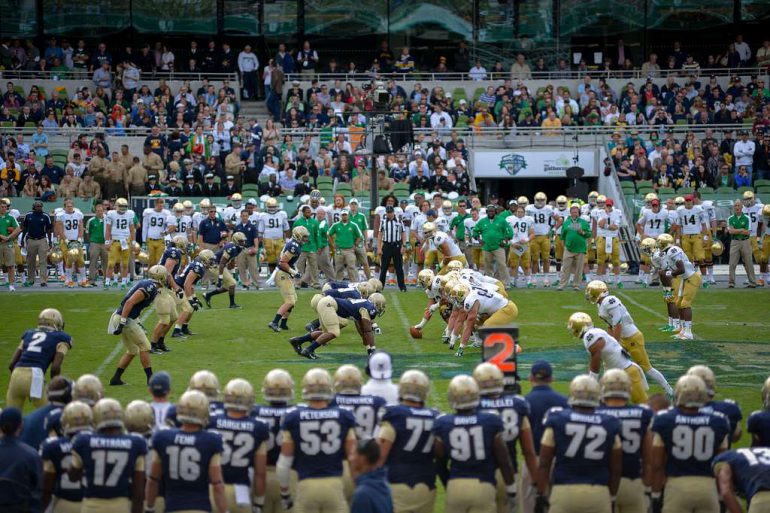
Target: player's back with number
x,y
109,462
367,410
634,422
468,442
38,347
242,438
750,472
410,460
513,410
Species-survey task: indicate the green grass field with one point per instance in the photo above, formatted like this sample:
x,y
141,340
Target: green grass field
x,y
730,324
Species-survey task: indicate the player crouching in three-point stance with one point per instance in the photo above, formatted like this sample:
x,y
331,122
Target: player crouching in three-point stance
x,y
482,306
681,280
224,258
285,275
603,348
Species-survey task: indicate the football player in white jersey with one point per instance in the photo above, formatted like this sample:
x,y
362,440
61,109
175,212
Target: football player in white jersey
x,y
432,284
475,258
119,237
681,280
604,349
652,222
540,248
199,216
415,234
588,212
444,245
608,223
232,213
69,229
622,327
334,214
562,211
519,252
480,306
691,230
710,219
447,212
154,221
273,230
179,223
753,209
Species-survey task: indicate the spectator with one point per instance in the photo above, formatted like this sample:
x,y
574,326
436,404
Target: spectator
x,y
271,187
248,64
520,69
102,76
651,69
372,493
307,59
405,62
284,60
763,54
743,151
22,469
744,52
131,77
166,59
742,177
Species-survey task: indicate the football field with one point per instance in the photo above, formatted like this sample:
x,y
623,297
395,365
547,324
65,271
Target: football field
x,y
731,328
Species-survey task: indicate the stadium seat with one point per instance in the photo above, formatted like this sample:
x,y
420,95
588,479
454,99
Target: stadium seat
x,y
324,179
459,94
477,94
685,190
647,184
667,190
725,190
763,190
741,190
761,182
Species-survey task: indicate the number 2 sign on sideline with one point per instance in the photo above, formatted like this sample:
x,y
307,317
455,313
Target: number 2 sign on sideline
x,y
500,347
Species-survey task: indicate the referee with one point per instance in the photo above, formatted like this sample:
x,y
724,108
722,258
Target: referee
x,y
390,246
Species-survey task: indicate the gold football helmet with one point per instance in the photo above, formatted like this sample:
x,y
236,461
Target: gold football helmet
x,y
158,274
236,199
50,318
139,417
425,278
317,385
679,201
364,289
271,205
178,208
648,246
649,197
522,201
708,377
239,239
348,380
601,200
460,291
180,242
204,204
766,210
664,241
239,395
136,248
429,230
584,391
455,265
540,199
561,202
108,414
121,205
414,385
615,383
193,408
206,257
690,392
55,256
595,290
88,388
766,394
326,286
592,196
446,207
143,257
378,300
189,207
376,284
205,381
278,386
748,198
717,248
489,378
300,234
578,323
463,393
76,417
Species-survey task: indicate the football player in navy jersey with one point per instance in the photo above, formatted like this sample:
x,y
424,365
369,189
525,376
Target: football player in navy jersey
x,y
285,275
278,391
634,436
353,291
125,322
40,348
685,443
66,494
187,460
224,258
746,471
406,446
139,419
34,427
585,450
514,412
727,407
87,389
473,443
170,294
245,448
759,421
110,463
207,383
317,438
367,409
191,275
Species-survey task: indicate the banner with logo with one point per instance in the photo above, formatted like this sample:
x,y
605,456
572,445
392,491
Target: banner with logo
x,y
532,163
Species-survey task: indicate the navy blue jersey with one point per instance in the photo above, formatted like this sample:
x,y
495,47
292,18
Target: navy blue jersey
x,y
759,427
292,248
52,422
215,408
338,284
367,409
108,463
242,438
38,347
410,460
344,293
194,267
692,440
634,423
57,456
583,445
469,444
150,289
272,416
750,468
229,249
319,437
351,308
34,431
512,409
729,409
174,254
185,459
541,399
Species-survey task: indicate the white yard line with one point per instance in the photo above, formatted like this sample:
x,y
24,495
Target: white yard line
x,y
118,348
648,309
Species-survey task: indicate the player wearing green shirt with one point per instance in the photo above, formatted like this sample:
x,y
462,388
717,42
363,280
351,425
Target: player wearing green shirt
x,y
309,258
324,256
97,251
359,219
9,230
458,225
494,231
343,237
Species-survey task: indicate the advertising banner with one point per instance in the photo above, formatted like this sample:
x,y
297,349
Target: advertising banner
x,y
532,163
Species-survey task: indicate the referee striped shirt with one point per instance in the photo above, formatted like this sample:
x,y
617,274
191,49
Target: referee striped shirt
x,y
392,230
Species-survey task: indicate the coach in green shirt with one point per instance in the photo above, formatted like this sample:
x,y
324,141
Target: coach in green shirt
x,y
494,231
343,237
9,230
309,256
740,246
458,224
575,232
359,219
97,251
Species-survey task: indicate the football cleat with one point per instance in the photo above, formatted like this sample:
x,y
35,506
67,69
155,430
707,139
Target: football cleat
x,y
273,326
296,343
207,300
237,307
460,351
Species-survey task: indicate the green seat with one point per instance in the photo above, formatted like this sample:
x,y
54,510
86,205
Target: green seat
x,y
666,190
741,190
85,206
647,184
725,190
459,94
763,189
685,190
6,124
324,179
761,182
477,94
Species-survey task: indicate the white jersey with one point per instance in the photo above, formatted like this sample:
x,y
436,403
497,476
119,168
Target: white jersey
x,y
673,217
334,215
615,217
71,224
197,217
478,280
614,312
653,224
182,225
409,212
564,214
434,291
448,217
469,224
674,254
658,262
273,226
442,225
690,219
586,210
419,220
613,355
380,211
443,238
754,213
489,302
120,223
154,223
232,215
541,217
520,227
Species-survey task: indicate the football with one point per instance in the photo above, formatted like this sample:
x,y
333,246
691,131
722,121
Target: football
x,y
415,332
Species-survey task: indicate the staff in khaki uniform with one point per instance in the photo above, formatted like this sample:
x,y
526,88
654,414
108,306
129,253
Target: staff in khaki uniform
x,y
740,245
154,164
97,250
117,178
137,178
97,168
9,231
494,231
